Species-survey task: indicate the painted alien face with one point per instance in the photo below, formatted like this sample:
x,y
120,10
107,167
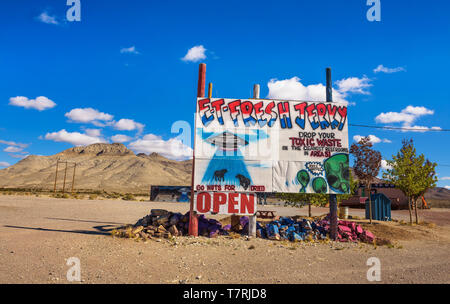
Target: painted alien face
x,y
319,185
337,172
303,179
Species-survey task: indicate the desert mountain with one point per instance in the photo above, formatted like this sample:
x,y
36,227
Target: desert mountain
x,y
109,167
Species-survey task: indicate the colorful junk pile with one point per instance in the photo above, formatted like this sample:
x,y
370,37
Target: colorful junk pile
x,y
162,223
289,229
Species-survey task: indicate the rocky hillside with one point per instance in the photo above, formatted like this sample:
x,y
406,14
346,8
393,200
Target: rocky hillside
x,y
109,167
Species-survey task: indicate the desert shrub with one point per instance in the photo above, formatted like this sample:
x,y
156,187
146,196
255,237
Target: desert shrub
x,y
93,196
128,197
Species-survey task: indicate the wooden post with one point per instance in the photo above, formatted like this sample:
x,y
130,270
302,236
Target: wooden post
x,y
256,91
65,173
252,219
210,90
332,199
193,220
56,175
73,178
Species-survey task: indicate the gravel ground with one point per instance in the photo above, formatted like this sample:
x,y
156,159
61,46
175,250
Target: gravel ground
x,y
38,235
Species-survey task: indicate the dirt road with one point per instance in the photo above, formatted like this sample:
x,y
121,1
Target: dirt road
x,y
38,235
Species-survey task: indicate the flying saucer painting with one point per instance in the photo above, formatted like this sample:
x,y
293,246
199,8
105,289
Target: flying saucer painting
x,y
227,141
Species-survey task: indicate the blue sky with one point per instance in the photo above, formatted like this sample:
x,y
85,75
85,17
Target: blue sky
x,y
120,70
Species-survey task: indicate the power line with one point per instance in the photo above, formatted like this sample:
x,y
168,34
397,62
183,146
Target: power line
x,y
400,128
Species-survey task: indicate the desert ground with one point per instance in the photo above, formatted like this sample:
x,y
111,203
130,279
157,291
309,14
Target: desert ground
x,y
39,234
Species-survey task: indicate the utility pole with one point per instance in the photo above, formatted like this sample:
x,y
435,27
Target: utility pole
x,y
332,199
65,173
73,178
56,175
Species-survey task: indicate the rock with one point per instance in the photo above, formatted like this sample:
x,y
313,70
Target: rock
x,y
161,228
137,229
173,230
159,212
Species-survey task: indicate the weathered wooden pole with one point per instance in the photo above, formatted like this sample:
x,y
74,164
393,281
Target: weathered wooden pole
x,y
332,199
210,87
56,175
252,218
73,178
65,173
193,220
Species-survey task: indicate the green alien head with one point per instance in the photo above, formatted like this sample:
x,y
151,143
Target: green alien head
x,y
337,172
303,179
319,185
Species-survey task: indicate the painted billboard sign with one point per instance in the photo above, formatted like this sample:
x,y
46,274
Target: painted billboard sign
x,y
225,203
260,145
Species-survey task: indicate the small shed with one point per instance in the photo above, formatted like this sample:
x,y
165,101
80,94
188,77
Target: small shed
x,y
381,207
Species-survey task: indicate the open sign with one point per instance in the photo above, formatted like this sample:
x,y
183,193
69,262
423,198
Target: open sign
x,y
225,203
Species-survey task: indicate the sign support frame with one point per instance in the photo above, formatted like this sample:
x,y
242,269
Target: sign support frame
x,y
193,220
332,198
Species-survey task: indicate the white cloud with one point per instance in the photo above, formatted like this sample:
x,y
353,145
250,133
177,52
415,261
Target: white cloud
x,y
407,116
393,117
195,54
293,89
4,164
88,115
128,125
120,138
130,50
40,103
75,138
373,139
447,187
384,165
420,128
383,69
93,132
172,148
445,178
46,18
12,143
12,149
417,111
354,85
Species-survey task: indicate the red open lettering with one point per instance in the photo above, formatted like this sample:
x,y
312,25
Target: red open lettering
x,y
247,203
203,202
218,199
232,202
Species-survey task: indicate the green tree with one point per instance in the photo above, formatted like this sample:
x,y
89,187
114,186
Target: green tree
x,y
367,164
302,199
353,187
412,174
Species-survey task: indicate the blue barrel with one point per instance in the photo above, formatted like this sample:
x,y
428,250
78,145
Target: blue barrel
x,y
381,207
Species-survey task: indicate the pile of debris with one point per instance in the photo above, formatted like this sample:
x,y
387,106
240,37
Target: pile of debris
x,y
305,230
349,231
165,224
289,229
